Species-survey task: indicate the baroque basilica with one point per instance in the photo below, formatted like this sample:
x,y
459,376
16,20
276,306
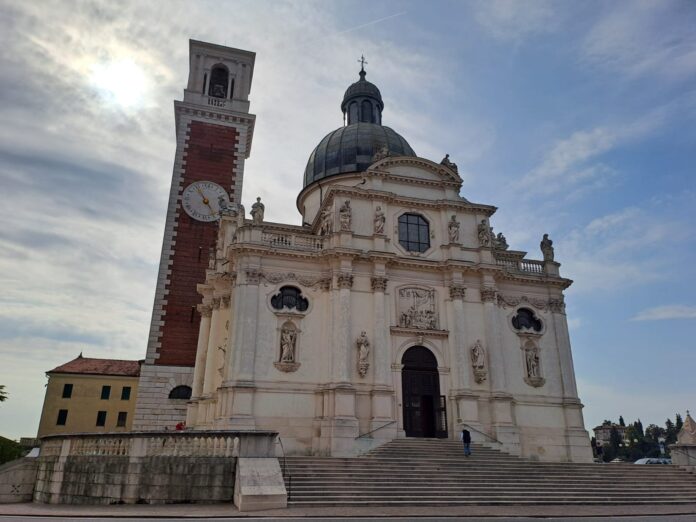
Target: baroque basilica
x,y
392,311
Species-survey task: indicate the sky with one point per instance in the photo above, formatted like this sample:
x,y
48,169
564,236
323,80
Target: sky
x,y
575,119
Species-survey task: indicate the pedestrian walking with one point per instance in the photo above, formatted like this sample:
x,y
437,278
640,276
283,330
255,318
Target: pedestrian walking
x,y
465,437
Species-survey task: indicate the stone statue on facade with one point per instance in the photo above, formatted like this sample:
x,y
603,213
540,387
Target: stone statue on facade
x,y
345,215
379,221
484,233
288,339
257,210
478,361
453,229
382,153
532,358
447,163
326,222
499,241
211,258
363,353
546,246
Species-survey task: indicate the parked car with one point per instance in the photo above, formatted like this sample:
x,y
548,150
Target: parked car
x,y
653,460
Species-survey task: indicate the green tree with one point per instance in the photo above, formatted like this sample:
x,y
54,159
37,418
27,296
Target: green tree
x,y
679,423
670,432
639,428
621,421
3,393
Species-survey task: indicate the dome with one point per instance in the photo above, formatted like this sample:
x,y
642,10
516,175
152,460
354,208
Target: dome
x,y
351,148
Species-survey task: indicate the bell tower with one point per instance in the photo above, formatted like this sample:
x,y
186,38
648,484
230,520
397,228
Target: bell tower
x,y
214,130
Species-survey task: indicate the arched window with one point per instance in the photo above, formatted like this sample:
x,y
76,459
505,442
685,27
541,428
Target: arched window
x,y
219,77
414,233
525,319
180,392
353,113
290,297
366,111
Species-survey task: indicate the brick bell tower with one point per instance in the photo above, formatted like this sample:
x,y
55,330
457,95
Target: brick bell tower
x,y
213,138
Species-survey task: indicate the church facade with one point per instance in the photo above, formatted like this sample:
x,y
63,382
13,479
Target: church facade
x,y
392,311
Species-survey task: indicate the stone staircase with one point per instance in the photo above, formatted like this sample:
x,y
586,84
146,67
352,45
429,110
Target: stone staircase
x,y
423,472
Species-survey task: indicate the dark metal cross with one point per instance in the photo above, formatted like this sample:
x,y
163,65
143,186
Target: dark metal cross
x,y
362,62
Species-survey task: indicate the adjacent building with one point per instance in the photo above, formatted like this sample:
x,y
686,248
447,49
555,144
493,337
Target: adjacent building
x,y
89,395
603,432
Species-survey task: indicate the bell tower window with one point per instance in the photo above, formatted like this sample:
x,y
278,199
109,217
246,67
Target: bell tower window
x,y
367,112
219,79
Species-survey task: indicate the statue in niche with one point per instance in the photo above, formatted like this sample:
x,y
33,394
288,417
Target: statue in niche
x,y
382,153
447,163
546,246
211,258
288,339
257,211
363,353
345,215
531,355
417,308
484,233
379,221
478,361
453,229
325,222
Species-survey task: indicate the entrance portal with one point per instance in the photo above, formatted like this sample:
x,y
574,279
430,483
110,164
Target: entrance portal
x,y
425,412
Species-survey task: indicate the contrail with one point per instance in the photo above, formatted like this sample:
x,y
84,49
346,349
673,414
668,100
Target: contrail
x,y
356,27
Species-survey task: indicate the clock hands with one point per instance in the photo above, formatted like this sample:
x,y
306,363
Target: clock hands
x,y
206,201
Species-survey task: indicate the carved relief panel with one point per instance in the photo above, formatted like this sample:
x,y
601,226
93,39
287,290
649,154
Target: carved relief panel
x,y
416,308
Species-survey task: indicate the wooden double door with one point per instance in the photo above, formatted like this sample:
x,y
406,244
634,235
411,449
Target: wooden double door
x,y
424,409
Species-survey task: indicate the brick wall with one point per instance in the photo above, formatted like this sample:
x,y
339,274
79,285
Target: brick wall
x,y
209,154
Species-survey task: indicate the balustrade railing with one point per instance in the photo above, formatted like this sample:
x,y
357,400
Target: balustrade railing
x,y
294,241
528,266
163,444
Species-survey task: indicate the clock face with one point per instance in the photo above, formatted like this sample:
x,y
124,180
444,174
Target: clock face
x,y
201,200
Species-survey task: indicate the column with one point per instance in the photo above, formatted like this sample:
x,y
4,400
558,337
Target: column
x,y
458,339
213,340
495,350
382,391
199,369
343,341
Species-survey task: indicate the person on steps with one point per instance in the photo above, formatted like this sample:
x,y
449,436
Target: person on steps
x,y
465,437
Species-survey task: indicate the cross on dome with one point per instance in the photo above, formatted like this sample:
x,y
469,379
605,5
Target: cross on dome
x,y
362,63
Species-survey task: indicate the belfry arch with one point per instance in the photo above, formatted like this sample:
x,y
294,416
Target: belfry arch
x,y
424,409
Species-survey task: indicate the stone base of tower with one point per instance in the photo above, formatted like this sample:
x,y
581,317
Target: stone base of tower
x,y
154,410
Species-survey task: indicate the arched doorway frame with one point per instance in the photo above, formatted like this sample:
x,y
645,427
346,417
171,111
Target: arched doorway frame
x,y
441,369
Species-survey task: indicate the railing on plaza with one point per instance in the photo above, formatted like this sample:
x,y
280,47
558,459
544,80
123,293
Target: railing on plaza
x,y
189,443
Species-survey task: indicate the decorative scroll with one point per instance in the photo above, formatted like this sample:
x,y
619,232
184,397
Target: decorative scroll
x,y
379,284
505,301
344,280
417,308
279,277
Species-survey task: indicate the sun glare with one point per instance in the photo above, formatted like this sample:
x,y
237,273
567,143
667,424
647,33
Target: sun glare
x,y
122,82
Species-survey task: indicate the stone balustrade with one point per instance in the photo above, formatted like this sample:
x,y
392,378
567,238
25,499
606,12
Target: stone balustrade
x,y
293,241
193,443
527,266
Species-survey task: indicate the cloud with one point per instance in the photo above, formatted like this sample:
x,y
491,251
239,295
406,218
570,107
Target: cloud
x,y
661,313
513,21
631,38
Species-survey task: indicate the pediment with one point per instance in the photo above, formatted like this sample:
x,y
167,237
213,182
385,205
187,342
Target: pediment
x,y
418,168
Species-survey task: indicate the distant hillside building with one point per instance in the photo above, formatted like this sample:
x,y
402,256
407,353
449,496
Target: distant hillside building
x,y
603,432
90,395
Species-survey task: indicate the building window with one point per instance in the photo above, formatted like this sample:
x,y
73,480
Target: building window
x,y
67,391
218,82
106,392
180,392
125,393
122,416
62,417
414,233
525,319
367,112
101,418
290,297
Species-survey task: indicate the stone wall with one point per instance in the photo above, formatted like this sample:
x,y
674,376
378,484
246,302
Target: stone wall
x,y
17,480
147,480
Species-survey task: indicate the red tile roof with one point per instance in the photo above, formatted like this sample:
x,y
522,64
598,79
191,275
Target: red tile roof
x,y
88,366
